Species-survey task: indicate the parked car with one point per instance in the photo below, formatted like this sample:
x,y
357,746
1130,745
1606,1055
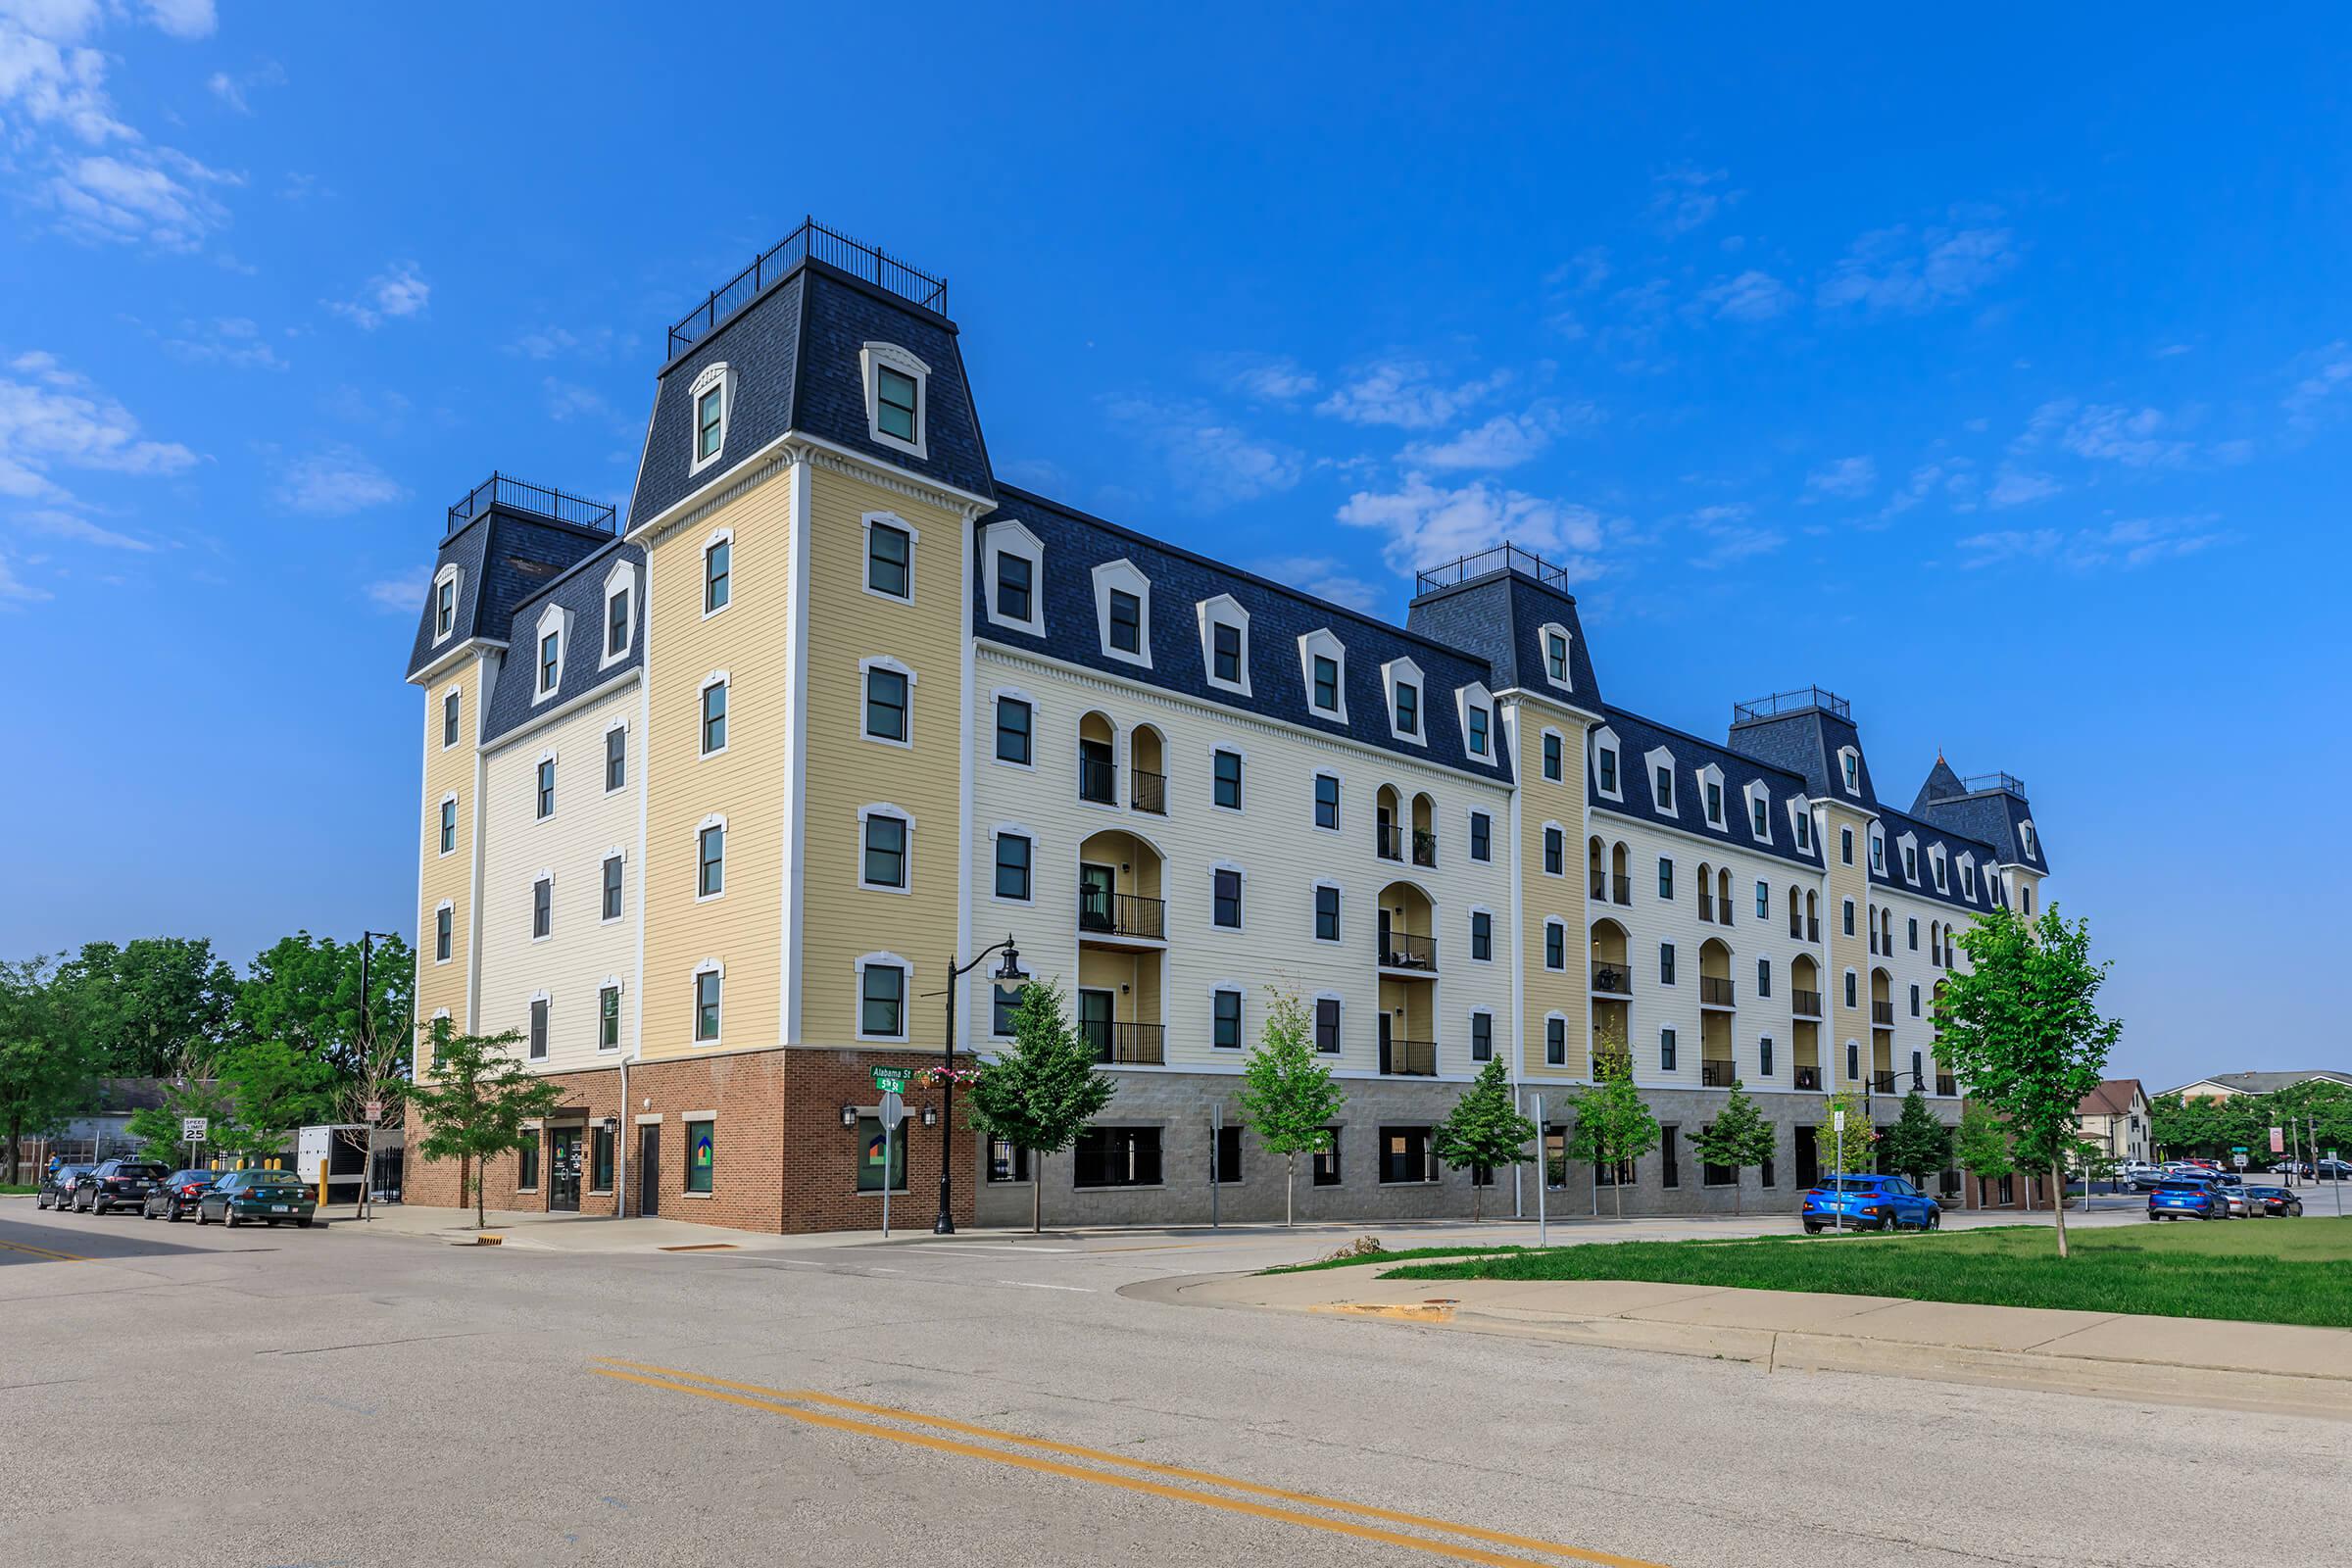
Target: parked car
x,y
116,1184
2274,1201
174,1197
2335,1170
57,1188
2187,1198
1869,1203
2233,1195
263,1197
2142,1175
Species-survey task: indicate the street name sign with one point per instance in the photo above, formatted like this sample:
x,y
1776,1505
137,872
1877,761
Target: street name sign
x,y
891,1080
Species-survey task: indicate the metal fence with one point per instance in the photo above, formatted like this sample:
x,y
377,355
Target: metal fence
x,y
811,241
519,495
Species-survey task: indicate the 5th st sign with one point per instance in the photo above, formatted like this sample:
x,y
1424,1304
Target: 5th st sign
x,y
891,1080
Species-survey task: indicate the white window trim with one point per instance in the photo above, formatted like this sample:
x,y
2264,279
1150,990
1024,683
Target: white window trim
x,y
1550,921
1849,760
1242,1024
1230,749
867,667
450,905
1845,924
1470,817
453,689
454,576
1874,852
715,374
1123,575
1404,671
701,587
1476,696
622,578
1543,634
1658,757
993,983
871,356
547,759
1968,877
557,620
611,983
1908,845
997,830
694,1007
866,569
1546,1042
1543,738
719,820
1936,866
1470,1035
886,809
1339,1027
605,755
716,677
1010,537
1712,774
888,960
1241,871
1605,736
449,804
1542,839
1322,641
1469,939
2028,840
538,998
1339,787
613,851
1807,840
1756,795
1317,885
1019,696
546,874
1223,610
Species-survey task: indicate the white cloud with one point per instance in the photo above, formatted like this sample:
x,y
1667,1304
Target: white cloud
x,y
1425,526
334,482
182,18
1955,477
162,197
14,590
2130,544
557,342
2015,487
2109,433
66,525
1846,479
232,90
53,418
402,594
1734,537
1271,379
399,290
1210,460
1684,199
2329,369
1752,296
1406,393
567,399
1503,442
236,341
1895,270
1324,577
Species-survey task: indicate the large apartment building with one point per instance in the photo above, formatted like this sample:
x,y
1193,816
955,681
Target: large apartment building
x,y
715,796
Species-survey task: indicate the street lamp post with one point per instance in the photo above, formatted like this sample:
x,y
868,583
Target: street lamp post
x,y
943,1224
368,940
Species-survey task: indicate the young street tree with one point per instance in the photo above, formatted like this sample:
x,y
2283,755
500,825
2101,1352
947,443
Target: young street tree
x,y
1982,1146
1041,1094
476,1102
1917,1143
1612,1122
1484,1131
1837,1152
1739,1137
2021,1028
1288,1096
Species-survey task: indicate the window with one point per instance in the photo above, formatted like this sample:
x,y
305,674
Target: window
x,y
895,404
884,865
1763,901
445,606
1013,722
1327,914
1804,830
1225,1020
1227,789
1481,836
1012,866
1326,684
1851,991
1123,613
714,716
1327,802
1555,655
1007,1163
1663,787
710,861
881,1000
1014,579
1482,1037
1666,963
449,826
1846,844
1666,1045
1478,732
449,719
607,1023
551,660
616,758
612,899
601,1144
1670,1155
1665,879
1853,1048
719,559
1764,1057
1760,812
617,623
1763,977
1126,621
874,1150
1405,1155
1555,945
1554,852
1850,761
1714,802
1608,770
1326,1159
889,561
1327,1025
444,922
1911,931
1551,754
538,1046
545,795
1847,917
543,909
1003,1002
1915,1001
2024,837
1227,665
1228,1162
701,1155
1408,708
1225,893
710,423
886,703
1116,1156
527,1163
1482,937
1939,868
1555,1042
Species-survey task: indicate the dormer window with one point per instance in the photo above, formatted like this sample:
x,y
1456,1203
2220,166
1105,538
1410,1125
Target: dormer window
x,y
1408,708
1323,664
1126,621
1477,731
1012,561
1225,642
1403,680
1850,767
1910,863
620,597
2025,837
445,602
1804,828
1714,800
1123,612
1478,720
1878,854
550,642
1326,684
1606,763
896,385
894,395
713,398
1556,645
1760,812
1662,786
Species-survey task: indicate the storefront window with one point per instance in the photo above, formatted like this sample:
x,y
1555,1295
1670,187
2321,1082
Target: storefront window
x,y
701,1153
870,1155
600,1159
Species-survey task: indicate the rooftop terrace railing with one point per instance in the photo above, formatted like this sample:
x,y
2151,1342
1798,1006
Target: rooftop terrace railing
x,y
813,240
1478,563
517,495
1993,781
1792,702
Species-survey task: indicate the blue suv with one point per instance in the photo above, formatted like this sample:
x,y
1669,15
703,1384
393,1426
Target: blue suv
x,y
2187,1198
1870,1203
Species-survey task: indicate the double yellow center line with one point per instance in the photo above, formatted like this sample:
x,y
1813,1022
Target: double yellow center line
x,y
45,1252
1443,1538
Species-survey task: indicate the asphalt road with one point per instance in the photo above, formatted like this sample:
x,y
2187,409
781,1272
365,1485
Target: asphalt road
x,y
172,1396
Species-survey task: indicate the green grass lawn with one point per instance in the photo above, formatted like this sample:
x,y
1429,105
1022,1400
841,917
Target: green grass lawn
x,y
2256,1271
16,1189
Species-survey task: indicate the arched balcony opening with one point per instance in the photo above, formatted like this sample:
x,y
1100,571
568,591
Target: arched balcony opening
x,y
1621,874
1122,922
1881,1032
1723,894
1407,1024
1706,893
1387,823
1406,927
1119,893
1425,830
1805,987
1098,760
1612,993
1716,1066
1596,868
1797,916
1813,916
1147,770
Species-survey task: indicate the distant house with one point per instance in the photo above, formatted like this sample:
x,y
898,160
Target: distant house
x,y
2227,1085
2115,1116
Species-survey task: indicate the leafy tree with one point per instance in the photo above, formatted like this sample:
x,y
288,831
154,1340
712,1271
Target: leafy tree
x,y
271,1089
476,1102
1837,1152
152,1004
1288,1094
156,1128
305,991
1739,1137
1485,1130
1982,1145
1612,1121
1917,1143
47,1061
2021,1028
1040,1095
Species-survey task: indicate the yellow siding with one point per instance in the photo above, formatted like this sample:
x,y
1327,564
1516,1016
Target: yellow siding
x,y
1545,897
1846,953
447,771
846,771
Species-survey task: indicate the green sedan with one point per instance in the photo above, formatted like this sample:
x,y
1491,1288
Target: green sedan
x,y
258,1197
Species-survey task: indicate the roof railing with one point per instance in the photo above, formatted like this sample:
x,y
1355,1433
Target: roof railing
x,y
1981,782
1505,557
811,240
517,495
1791,702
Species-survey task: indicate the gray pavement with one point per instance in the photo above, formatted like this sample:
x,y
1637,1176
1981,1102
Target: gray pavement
x,y
185,1396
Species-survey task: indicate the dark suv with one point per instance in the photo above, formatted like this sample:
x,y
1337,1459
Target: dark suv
x,y
116,1184
57,1188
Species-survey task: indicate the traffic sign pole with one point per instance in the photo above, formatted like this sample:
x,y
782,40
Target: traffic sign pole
x,y
1542,1174
894,1111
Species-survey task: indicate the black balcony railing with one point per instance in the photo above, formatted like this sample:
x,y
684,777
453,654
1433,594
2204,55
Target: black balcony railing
x,y
1714,991
1706,907
1882,1082
1805,1004
1600,886
1717,1074
813,240
1408,1058
1612,980
1425,847
1882,1014
1121,915
1809,1077
1621,888
1125,1044
1795,701
1813,932
1097,780
517,495
1387,841
1499,558
1947,1084
1148,791
1404,950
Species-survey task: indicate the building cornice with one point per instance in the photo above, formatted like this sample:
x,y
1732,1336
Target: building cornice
x,y
443,662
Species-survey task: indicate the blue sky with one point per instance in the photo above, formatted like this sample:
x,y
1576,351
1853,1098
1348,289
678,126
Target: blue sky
x,y
2000,383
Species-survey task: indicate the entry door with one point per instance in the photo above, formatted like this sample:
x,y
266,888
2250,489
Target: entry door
x,y
564,1170
1097,884
1384,948
649,1168
1094,1021
1384,1038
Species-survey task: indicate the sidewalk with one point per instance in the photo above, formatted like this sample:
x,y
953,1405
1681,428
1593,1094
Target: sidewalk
x,y
2258,1366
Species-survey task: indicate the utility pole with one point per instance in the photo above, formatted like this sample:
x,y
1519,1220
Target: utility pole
x,y
371,1107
